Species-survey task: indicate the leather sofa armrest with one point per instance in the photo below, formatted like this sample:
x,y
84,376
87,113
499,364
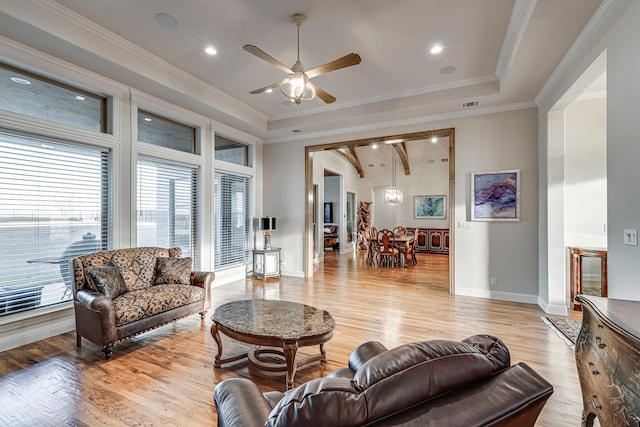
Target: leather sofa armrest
x,y
365,352
239,403
95,301
202,279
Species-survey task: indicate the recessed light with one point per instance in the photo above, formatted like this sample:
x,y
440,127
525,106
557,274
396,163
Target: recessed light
x,y
20,81
80,98
447,70
374,146
269,90
147,119
434,139
210,50
166,20
436,48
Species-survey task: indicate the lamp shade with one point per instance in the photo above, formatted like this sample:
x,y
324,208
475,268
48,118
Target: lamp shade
x,y
267,223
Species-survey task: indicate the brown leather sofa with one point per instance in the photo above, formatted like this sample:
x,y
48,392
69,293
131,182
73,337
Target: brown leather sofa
x,y
152,287
431,383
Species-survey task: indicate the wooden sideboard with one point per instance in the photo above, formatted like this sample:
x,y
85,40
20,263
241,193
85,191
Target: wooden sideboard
x,y
588,273
432,240
608,361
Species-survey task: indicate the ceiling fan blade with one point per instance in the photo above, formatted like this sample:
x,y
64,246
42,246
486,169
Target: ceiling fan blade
x,y
345,61
265,56
322,94
264,89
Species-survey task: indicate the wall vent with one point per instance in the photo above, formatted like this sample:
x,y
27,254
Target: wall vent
x,y
371,165
469,104
444,160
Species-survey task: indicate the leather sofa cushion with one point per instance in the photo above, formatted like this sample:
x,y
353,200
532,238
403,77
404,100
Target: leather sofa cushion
x,y
391,381
412,373
320,402
135,305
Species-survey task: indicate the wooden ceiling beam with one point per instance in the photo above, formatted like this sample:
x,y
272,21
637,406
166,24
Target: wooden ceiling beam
x,y
401,149
352,157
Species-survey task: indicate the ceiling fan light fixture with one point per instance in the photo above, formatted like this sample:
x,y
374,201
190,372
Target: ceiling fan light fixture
x,y
297,88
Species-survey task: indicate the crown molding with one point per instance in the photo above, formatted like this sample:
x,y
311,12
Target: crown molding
x,y
418,120
520,16
399,95
600,21
221,100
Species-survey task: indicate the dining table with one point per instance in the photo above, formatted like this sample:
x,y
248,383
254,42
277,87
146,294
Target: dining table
x,y
402,243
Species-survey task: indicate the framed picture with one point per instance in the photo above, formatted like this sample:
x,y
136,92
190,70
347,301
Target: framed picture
x,y
495,196
429,207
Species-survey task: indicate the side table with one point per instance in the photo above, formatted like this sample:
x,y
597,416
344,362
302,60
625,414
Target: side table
x,y
266,263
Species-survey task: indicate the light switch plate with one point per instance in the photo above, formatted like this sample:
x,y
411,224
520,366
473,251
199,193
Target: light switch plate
x,y
631,237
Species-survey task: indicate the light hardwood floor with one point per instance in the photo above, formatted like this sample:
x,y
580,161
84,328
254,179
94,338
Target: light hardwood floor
x,y
166,377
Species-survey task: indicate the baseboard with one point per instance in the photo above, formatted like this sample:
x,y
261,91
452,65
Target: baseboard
x,y
556,309
36,328
497,295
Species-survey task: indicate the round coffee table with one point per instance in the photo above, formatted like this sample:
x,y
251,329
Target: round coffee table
x,y
276,328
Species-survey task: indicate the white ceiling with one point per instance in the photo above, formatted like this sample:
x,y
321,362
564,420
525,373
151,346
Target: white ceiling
x,y
503,51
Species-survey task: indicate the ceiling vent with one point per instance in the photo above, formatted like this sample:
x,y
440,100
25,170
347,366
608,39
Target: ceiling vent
x,y
469,104
444,160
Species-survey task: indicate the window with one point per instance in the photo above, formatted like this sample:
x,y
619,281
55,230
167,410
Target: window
x,y
167,206
55,206
157,130
231,151
232,207
35,96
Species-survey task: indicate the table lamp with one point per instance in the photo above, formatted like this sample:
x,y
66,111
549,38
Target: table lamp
x,y
267,223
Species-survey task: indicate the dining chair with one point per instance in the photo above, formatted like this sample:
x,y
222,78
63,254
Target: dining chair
x,y
400,230
411,252
387,251
371,235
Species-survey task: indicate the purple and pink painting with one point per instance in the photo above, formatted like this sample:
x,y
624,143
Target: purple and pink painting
x,y
495,196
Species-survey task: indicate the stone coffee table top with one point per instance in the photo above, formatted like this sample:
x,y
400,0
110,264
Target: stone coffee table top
x,y
277,329
274,318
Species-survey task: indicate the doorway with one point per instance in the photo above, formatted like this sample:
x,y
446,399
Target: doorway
x,y
349,151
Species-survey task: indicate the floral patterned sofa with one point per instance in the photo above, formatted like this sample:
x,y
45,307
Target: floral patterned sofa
x,y
121,293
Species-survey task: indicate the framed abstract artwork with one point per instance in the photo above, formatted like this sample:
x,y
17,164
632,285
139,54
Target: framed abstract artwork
x,y
430,207
495,196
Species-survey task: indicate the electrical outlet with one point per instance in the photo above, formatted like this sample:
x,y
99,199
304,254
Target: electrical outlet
x,y
492,282
631,237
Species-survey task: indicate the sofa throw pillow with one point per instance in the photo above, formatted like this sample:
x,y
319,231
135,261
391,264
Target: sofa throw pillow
x,y
107,280
173,270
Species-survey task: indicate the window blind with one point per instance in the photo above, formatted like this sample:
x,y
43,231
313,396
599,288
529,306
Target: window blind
x,y
55,205
167,206
233,201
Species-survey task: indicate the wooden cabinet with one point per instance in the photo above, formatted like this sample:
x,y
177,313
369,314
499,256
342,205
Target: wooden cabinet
x,y
432,240
608,361
588,273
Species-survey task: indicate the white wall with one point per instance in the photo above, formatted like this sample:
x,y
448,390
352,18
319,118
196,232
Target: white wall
x,y
617,34
429,176
586,174
506,251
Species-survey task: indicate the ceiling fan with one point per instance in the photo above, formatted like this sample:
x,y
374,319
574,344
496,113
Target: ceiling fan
x,y
297,85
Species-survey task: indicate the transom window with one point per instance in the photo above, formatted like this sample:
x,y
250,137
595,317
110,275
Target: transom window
x,y
157,130
231,151
40,97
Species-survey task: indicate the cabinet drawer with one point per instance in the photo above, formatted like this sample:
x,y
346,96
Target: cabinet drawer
x,y
628,371
604,342
626,409
599,390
